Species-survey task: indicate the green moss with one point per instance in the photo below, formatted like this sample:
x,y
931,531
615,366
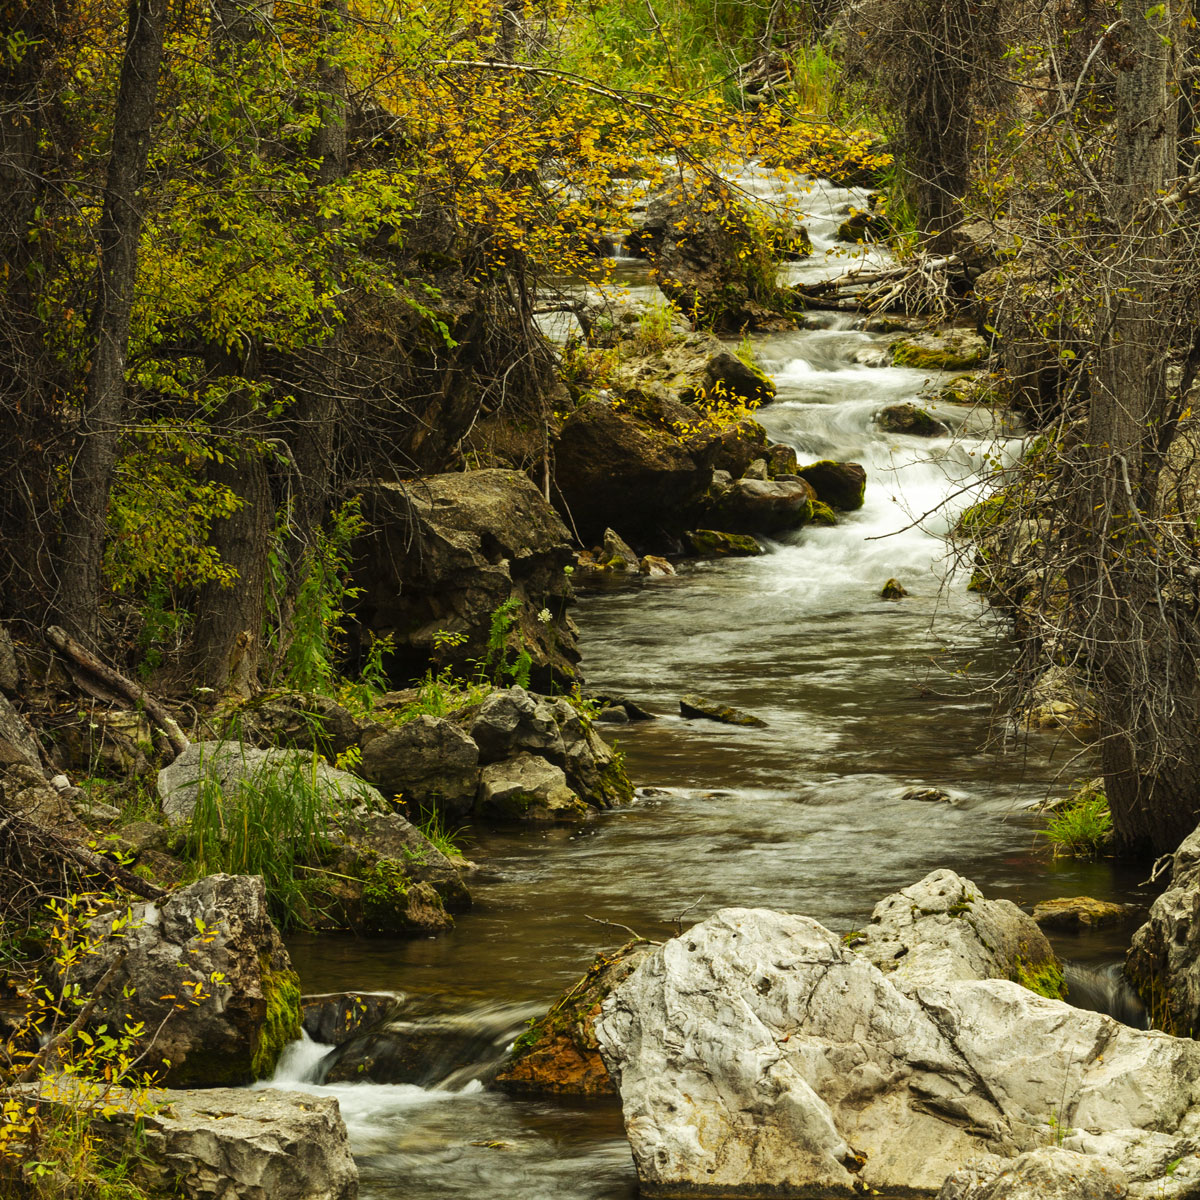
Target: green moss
x,y
982,517
929,358
281,1024
712,543
615,785
822,514
1044,978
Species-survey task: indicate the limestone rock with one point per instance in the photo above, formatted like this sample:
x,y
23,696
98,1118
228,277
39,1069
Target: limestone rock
x,y
227,1142
370,837
941,930
1163,962
444,554
655,566
428,762
1072,913
617,554
908,418
694,706
558,1055
511,721
218,929
946,350
840,485
526,788
232,765
756,1055
1050,1173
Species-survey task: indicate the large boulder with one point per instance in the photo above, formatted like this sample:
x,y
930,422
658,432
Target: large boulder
x,y
729,380
761,505
942,930
222,1143
441,557
1163,962
558,1054
299,721
429,763
614,467
233,765
757,1055
207,975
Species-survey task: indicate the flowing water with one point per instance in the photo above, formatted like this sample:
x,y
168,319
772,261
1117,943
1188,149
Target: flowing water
x,y
863,699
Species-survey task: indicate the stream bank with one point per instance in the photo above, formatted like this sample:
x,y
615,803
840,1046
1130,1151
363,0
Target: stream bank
x,y
864,700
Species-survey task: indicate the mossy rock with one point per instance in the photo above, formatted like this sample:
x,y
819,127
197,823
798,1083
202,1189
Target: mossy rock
x,y
1044,978
393,903
281,1024
950,350
910,419
712,543
822,514
694,706
558,1054
893,590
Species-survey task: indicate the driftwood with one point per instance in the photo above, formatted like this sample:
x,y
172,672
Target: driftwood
x,y
919,285
14,825
117,683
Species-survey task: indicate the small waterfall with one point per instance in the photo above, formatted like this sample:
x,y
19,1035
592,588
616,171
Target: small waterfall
x,y
1105,989
300,1062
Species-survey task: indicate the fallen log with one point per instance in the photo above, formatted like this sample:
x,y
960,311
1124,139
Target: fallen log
x,y
116,682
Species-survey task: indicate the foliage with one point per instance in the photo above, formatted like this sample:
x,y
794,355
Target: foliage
x,y
82,1074
309,660
449,841
274,825
506,661
1082,827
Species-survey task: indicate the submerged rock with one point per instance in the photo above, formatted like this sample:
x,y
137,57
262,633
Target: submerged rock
x,y
1073,913
756,1055
908,418
713,543
207,975
558,1054
333,1018
694,706
893,590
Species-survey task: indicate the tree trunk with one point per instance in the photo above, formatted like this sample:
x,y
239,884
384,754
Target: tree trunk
x,y
85,515
30,377
1140,636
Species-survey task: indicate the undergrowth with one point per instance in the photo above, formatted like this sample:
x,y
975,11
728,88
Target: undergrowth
x,y
1082,827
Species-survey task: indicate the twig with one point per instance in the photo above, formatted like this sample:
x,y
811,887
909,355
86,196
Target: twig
x,y
27,1075
678,918
633,933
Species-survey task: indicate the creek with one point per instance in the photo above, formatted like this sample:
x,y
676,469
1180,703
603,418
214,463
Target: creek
x,y
863,698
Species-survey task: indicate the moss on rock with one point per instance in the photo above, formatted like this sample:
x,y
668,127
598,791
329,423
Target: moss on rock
x,y
281,1022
